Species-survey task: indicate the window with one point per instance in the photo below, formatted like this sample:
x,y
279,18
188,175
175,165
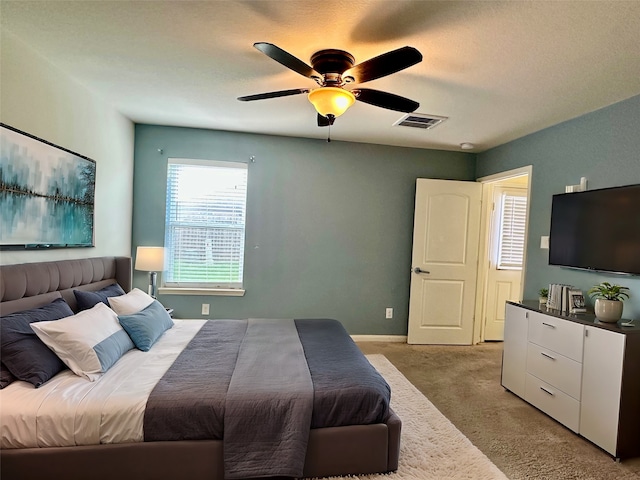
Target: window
x,y
205,224
511,235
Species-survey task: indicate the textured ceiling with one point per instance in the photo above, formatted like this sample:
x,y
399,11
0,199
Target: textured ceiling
x,y
498,70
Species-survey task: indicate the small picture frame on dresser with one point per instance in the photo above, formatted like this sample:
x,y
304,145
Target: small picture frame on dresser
x,y
576,302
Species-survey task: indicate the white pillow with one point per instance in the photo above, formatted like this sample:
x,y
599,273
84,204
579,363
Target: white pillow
x,y
89,343
133,302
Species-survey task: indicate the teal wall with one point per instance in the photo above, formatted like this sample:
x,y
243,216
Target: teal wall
x,y
604,147
329,225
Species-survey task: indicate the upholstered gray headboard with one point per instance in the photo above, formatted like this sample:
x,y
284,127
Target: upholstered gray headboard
x,y
31,285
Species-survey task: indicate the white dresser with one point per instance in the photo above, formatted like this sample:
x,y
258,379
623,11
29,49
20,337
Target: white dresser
x,y
583,373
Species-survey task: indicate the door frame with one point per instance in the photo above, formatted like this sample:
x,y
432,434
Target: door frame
x,y
485,231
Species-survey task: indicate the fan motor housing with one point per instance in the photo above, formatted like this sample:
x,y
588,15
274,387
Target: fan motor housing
x,y
332,61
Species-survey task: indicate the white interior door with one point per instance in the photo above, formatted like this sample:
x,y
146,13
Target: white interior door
x,y
506,255
445,257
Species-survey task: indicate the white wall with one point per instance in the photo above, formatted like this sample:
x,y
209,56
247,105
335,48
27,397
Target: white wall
x,y
38,98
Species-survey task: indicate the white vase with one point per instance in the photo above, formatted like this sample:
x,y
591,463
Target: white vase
x,y
609,311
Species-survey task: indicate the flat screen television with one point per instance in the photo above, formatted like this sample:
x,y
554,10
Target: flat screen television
x,y
597,230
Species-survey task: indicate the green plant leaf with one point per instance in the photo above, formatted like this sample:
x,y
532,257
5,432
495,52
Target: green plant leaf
x,y
608,291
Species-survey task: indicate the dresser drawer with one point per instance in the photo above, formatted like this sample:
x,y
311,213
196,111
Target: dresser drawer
x,y
561,336
553,402
557,370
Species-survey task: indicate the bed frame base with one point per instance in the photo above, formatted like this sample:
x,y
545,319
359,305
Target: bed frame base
x,y
336,451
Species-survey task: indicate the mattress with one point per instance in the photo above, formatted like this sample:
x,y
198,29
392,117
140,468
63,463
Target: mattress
x,y
69,410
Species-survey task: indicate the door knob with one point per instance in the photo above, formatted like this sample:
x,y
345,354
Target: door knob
x,y
419,270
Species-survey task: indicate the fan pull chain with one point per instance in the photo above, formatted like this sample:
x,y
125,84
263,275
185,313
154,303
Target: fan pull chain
x,y
329,134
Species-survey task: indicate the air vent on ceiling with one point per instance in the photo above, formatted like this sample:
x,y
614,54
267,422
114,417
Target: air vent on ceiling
x,y
420,120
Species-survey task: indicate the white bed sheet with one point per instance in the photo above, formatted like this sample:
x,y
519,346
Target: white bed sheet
x,y
69,410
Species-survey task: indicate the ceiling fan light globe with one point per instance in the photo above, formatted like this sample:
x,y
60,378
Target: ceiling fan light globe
x,y
331,100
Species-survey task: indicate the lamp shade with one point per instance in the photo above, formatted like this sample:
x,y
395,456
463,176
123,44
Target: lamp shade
x,y
150,259
331,100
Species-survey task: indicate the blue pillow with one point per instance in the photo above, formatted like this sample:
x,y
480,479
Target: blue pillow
x,y
87,299
146,326
22,352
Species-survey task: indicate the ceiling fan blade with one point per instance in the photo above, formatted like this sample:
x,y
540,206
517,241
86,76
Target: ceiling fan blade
x,y
323,121
288,60
385,100
383,65
281,93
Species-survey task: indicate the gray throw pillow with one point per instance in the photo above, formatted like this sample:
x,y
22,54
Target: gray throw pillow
x,y
87,299
22,352
6,377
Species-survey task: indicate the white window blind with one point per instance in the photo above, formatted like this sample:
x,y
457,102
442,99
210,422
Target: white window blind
x,y
512,223
205,223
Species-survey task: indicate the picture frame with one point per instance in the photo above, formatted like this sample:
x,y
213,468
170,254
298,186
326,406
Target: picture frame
x,y
576,302
47,194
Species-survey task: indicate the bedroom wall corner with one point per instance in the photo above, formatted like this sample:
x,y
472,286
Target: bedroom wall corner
x,y
39,98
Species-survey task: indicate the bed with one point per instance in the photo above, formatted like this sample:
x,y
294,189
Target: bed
x,y
335,446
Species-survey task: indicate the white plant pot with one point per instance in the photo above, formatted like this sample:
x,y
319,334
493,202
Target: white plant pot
x,y
609,311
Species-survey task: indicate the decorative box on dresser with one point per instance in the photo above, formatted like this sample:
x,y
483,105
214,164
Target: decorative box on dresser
x,y
579,371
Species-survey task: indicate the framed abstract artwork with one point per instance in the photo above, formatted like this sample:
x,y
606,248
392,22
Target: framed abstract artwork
x,y
46,194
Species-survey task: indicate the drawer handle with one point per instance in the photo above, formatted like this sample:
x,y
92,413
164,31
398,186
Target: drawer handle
x,y
549,325
546,391
547,355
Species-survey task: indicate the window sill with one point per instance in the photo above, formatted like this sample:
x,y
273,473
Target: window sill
x,y
227,292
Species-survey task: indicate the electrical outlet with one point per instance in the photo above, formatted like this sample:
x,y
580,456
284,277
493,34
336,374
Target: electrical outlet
x,y
388,312
205,309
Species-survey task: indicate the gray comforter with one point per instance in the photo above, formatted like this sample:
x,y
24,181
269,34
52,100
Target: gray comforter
x,y
260,385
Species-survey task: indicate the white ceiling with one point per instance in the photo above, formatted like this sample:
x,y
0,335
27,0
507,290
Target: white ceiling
x,y
498,70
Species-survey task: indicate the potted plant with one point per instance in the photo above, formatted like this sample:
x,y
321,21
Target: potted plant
x,y
543,295
609,298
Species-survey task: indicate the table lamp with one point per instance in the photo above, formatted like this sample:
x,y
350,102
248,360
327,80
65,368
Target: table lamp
x,y
150,259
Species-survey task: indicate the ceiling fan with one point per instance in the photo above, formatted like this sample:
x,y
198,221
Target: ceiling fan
x,y
332,70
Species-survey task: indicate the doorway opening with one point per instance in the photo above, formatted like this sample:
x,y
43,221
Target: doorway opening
x,y
468,257
502,249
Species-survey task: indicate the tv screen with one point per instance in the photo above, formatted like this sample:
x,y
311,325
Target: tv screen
x,y
597,230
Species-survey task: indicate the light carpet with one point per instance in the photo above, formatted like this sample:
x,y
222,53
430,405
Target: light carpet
x,y
431,447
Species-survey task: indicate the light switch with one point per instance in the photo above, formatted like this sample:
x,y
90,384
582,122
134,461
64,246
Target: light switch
x,y
544,242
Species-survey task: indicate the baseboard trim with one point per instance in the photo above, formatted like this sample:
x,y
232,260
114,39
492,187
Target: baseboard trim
x,y
380,338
